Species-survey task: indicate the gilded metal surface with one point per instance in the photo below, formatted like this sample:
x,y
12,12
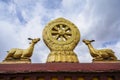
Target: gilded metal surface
x,y
18,54
103,54
16,61
61,36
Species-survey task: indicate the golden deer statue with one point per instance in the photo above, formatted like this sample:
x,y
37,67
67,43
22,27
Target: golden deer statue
x,y
16,53
102,54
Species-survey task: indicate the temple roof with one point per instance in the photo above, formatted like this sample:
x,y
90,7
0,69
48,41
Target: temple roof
x,y
60,67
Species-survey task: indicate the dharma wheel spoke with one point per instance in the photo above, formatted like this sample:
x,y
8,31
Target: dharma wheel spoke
x,y
66,37
56,28
54,32
61,38
56,37
66,28
68,33
61,27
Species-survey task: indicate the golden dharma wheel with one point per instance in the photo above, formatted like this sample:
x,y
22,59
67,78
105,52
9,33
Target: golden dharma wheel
x,y
61,36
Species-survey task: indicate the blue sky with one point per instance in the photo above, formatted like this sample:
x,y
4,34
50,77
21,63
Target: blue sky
x,y
96,19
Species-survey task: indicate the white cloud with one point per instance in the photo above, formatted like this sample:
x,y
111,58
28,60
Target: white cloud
x,y
8,37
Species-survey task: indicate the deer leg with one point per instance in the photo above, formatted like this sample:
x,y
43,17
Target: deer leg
x,y
113,57
9,56
98,58
24,57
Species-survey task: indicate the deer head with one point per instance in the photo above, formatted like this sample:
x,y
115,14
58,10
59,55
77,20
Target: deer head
x,y
35,40
87,41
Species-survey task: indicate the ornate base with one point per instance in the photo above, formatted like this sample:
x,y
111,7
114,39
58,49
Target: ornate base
x,y
62,56
20,61
106,61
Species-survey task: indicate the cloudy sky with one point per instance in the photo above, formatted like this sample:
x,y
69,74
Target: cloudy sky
x,y
96,19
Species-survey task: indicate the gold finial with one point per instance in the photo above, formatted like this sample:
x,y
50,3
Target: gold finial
x,y
99,55
61,36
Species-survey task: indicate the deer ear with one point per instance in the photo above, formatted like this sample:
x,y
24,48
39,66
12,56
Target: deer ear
x,y
92,40
39,39
30,39
83,40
